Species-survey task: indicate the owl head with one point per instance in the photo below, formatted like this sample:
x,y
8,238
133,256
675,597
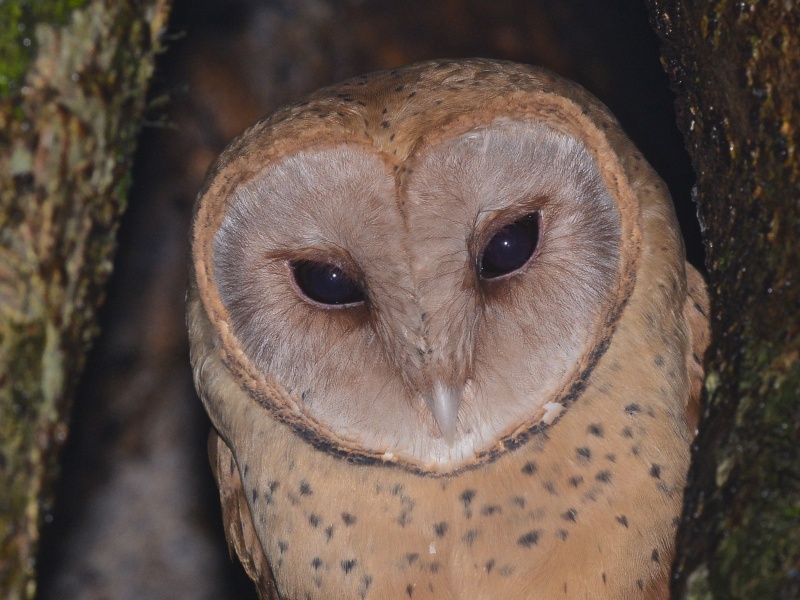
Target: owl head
x,y
422,267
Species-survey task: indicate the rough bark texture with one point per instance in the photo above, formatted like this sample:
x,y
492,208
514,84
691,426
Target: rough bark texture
x,y
69,124
736,69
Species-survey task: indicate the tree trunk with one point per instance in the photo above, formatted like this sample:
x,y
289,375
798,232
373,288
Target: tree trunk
x,y
735,67
72,93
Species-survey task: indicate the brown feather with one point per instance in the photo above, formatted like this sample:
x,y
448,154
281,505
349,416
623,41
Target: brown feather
x,y
237,519
696,312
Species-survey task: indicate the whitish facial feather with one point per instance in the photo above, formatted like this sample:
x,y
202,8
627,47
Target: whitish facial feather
x,y
501,349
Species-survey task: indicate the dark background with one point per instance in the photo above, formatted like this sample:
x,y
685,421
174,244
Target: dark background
x,y
137,513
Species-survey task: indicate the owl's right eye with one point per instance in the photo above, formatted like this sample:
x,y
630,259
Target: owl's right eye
x,y
326,283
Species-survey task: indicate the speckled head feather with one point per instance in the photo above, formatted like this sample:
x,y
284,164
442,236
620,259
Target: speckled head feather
x,y
550,402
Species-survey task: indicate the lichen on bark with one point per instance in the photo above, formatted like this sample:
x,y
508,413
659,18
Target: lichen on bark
x,y
68,135
735,67
17,41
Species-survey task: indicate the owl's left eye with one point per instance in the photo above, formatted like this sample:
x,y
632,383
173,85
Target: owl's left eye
x,y
511,248
326,283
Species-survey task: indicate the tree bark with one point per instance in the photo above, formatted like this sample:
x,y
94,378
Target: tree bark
x,y
71,101
735,67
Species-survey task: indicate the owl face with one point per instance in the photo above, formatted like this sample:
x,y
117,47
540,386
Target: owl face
x,y
419,274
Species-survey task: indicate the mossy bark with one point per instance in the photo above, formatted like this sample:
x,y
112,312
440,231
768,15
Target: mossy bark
x,y
68,127
735,67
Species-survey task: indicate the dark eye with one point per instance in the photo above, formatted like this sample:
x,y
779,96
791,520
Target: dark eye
x,y
511,248
326,283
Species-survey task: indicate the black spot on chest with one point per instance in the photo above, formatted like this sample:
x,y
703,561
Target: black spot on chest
x,y
570,515
633,409
603,476
470,536
655,556
530,539
467,496
595,429
348,565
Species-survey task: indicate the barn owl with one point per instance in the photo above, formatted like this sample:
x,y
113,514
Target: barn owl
x,y
442,323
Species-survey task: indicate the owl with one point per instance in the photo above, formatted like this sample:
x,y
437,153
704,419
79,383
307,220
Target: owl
x,y
443,326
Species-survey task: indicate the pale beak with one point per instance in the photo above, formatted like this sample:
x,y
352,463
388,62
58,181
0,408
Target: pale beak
x,y
444,403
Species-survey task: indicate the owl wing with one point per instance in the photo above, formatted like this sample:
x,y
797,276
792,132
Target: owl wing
x,y
237,519
695,311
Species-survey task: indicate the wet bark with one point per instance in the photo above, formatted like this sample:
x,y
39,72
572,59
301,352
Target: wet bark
x,y
735,67
72,93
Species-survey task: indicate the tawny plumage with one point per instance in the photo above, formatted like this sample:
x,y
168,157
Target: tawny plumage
x,y
440,321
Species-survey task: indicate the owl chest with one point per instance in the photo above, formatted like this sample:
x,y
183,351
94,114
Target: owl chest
x,y
592,520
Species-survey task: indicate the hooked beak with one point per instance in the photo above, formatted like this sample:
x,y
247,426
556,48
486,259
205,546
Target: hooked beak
x,y
444,403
